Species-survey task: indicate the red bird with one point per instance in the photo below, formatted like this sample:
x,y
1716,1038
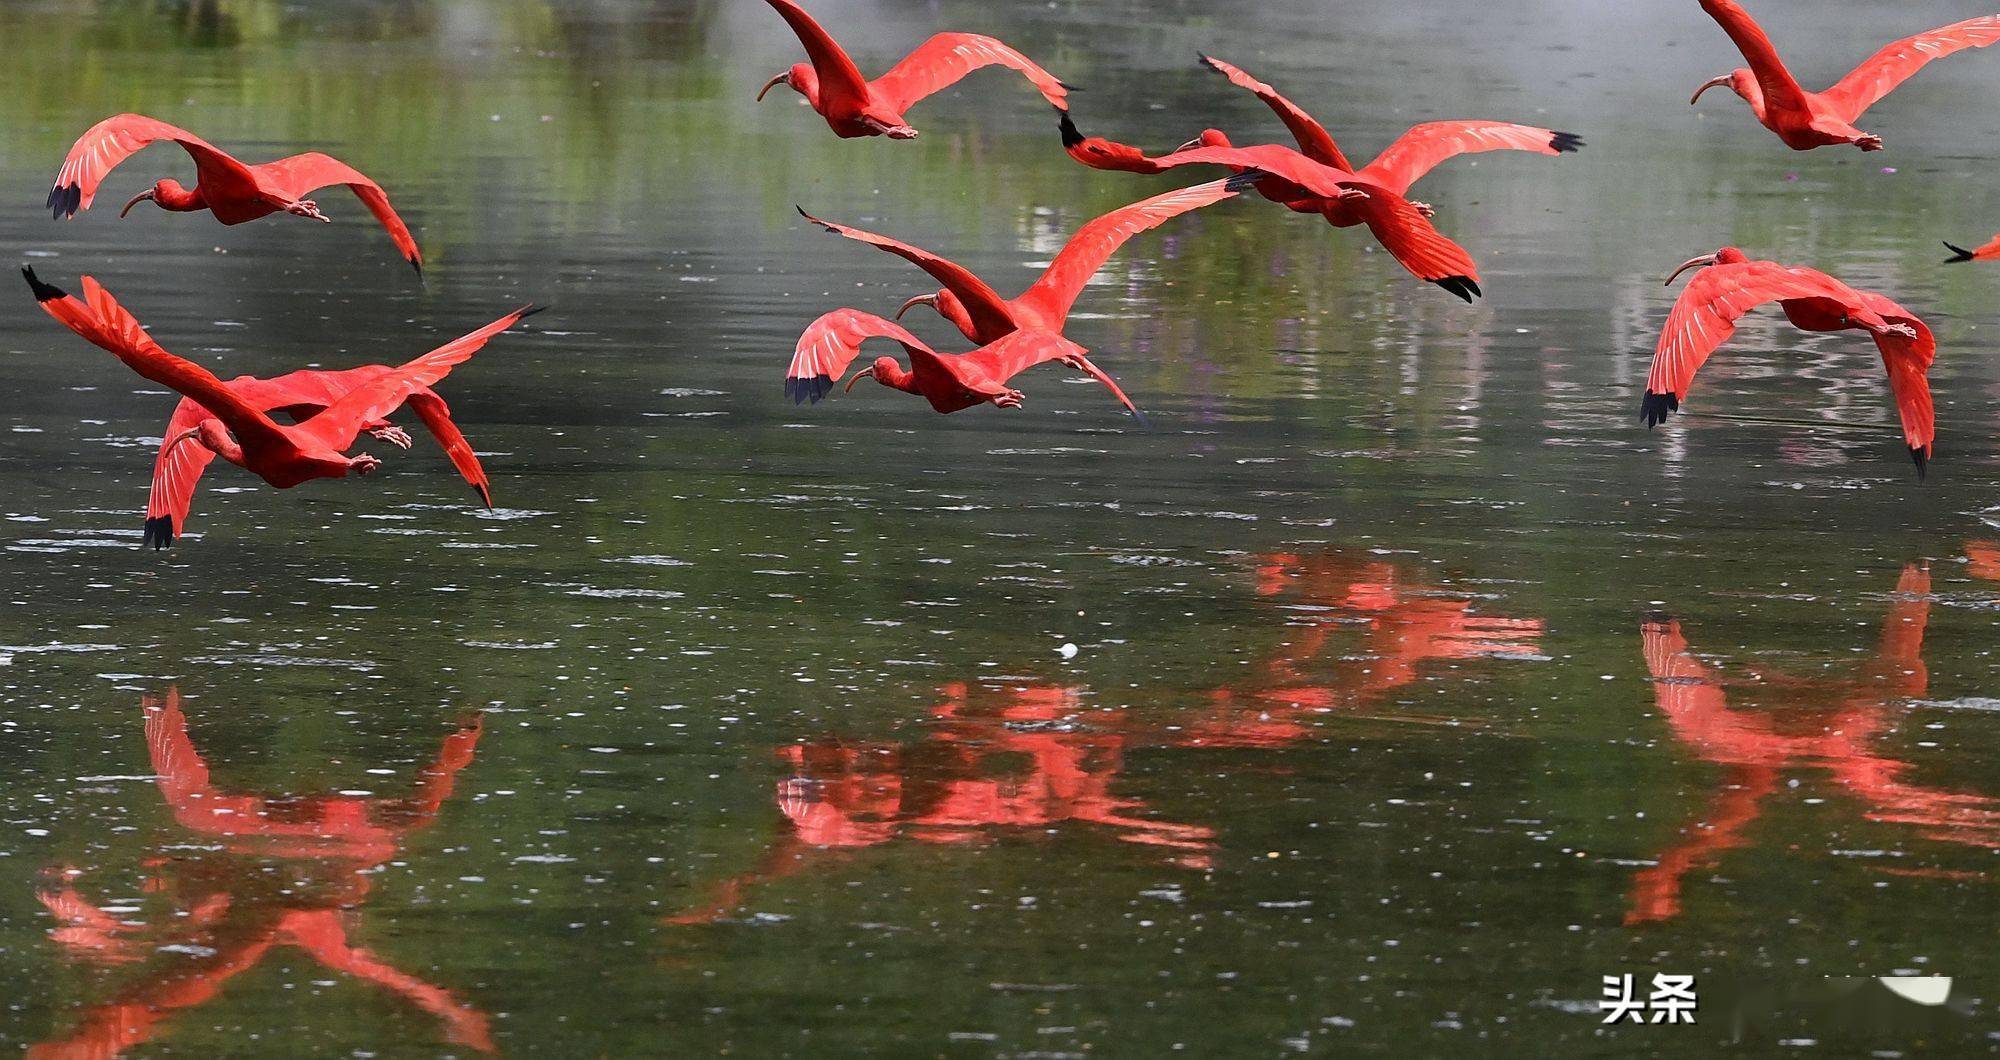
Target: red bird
x,y
1318,178
950,382
1989,252
1805,120
237,429
301,396
1731,285
984,316
232,191
855,106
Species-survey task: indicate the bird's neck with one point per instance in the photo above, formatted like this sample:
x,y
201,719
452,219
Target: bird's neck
x,y
896,378
179,199
215,437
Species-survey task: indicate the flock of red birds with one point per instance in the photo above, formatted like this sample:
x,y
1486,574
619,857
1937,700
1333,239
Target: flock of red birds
x,y
325,413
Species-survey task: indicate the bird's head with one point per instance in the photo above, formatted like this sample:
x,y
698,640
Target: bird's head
x,y
165,194
800,78
1208,138
1725,256
1100,153
947,305
1740,81
885,370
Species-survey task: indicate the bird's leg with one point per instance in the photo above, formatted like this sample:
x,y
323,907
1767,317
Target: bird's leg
x,y
1352,195
1869,142
308,209
389,432
1424,208
1901,331
363,464
1009,399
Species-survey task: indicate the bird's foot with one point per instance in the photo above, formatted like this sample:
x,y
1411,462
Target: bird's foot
x,y
392,434
363,464
1901,331
1424,208
1869,142
1353,195
1012,399
308,209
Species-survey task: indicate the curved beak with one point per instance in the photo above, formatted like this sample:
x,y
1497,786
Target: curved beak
x,y
771,84
856,378
1189,146
1701,262
186,436
1713,82
922,299
144,196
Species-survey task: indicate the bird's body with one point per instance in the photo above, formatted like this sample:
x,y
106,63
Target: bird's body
x,y
1317,177
234,192
984,316
949,382
1730,285
854,106
1805,120
236,429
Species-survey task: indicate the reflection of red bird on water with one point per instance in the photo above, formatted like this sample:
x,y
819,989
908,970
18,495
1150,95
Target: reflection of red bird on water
x,y
232,909
1838,722
1982,559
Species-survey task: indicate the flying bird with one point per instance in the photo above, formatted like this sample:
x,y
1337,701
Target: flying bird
x,y
301,395
1318,178
235,427
231,190
1730,285
1805,120
1989,252
984,316
854,106
950,382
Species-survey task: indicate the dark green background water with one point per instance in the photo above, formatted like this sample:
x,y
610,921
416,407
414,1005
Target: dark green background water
x,y
744,727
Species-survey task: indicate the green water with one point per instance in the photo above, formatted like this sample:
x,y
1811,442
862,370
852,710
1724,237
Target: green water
x,y
1417,687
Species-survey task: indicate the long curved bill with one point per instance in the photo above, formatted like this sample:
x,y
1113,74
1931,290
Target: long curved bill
x,y
771,84
922,299
856,378
1713,82
144,196
1701,262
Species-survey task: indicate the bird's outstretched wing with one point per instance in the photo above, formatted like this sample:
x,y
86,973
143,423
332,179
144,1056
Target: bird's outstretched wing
x,y
840,81
436,415
1868,83
1423,147
830,344
1705,317
988,309
369,402
1989,252
1277,160
1022,350
1087,251
941,61
1908,361
1429,254
99,318
1781,90
118,138
296,177
1314,141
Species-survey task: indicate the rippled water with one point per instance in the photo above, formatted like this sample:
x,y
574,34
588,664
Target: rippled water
x,y
1415,686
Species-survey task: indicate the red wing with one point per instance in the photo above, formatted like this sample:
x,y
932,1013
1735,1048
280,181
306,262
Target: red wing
x,y
1422,148
830,344
989,311
116,139
1094,243
176,471
840,81
1314,141
1705,317
369,402
1893,65
1781,91
1908,362
1314,178
296,177
1427,253
1023,350
437,418
940,62
99,318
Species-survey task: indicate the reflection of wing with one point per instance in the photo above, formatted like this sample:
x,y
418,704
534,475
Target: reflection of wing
x,y
1893,65
830,343
940,62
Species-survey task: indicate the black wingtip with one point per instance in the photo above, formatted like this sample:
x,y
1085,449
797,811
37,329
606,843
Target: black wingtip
x,y
43,292
1958,253
1566,143
531,310
1464,287
1067,87
1921,454
1657,407
64,200
1207,60
1070,136
160,532
804,390
418,264
1140,418
1245,180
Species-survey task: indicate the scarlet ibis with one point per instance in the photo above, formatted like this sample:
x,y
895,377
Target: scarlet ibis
x,y
1730,285
950,382
1318,178
1989,252
1805,120
300,395
854,106
979,311
231,190
236,428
